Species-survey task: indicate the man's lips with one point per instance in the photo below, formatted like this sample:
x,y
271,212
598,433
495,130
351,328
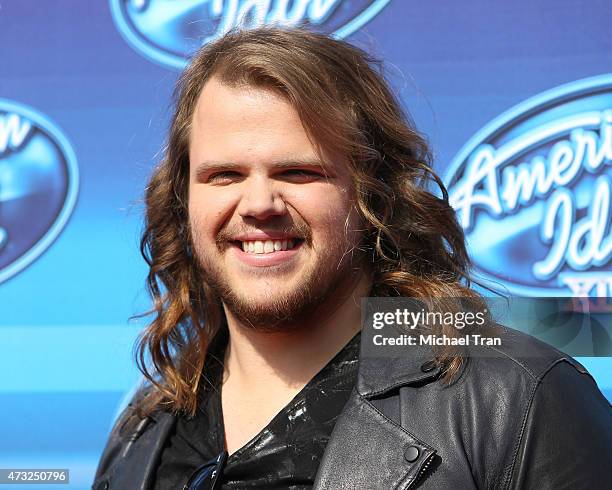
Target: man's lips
x,y
260,258
267,246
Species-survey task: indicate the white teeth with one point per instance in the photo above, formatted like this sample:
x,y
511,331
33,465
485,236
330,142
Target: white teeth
x,y
267,246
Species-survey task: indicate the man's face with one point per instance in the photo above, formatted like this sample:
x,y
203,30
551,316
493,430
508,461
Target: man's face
x,y
274,231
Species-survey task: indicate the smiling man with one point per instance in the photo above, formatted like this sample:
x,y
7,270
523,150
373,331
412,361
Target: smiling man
x,y
292,187
253,164
275,233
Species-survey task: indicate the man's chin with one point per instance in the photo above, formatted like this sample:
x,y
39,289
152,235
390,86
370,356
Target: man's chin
x,y
274,303
261,313
272,311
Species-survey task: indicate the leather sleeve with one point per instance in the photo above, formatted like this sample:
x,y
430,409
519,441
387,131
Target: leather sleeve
x,y
566,438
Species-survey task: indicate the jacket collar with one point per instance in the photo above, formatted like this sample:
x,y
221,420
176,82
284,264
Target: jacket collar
x,y
368,450
379,375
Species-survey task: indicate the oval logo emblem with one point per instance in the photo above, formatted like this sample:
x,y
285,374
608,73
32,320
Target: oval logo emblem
x,y
170,32
38,185
532,192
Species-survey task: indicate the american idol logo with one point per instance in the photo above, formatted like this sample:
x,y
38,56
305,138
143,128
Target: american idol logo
x,y
532,191
169,32
38,185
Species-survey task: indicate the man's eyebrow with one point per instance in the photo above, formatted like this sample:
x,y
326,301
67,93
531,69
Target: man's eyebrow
x,y
208,166
297,162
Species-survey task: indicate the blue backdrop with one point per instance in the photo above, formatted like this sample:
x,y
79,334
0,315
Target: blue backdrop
x,y
84,105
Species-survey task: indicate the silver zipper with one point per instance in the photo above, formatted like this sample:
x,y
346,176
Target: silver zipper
x,y
424,469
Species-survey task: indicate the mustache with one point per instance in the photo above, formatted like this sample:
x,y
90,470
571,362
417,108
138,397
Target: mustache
x,y
300,230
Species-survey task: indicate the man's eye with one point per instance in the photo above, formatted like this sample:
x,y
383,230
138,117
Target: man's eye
x,y
299,173
223,176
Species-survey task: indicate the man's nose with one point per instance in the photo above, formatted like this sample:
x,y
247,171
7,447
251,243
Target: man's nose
x,y
261,199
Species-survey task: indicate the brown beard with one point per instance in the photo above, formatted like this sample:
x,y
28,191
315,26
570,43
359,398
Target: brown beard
x,y
307,301
314,297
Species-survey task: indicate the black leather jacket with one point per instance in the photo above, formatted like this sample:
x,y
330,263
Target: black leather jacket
x,y
508,422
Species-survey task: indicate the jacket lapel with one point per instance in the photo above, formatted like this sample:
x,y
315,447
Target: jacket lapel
x,y
367,449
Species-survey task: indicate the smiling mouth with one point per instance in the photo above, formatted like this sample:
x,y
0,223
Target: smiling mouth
x,y
262,247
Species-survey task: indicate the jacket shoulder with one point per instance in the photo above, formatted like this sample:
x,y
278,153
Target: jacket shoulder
x,y
564,432
527,387
525,355
129,423
516,370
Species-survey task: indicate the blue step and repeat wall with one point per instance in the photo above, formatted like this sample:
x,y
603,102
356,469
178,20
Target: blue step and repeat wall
x,y
515,98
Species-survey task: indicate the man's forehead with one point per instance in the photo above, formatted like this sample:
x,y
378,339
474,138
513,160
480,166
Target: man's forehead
x,y
229,112
218,98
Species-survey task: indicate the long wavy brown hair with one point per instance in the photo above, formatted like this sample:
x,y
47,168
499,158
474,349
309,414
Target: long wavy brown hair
x,y
415,245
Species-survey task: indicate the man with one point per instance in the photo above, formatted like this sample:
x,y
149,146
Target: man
x,y
292,187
